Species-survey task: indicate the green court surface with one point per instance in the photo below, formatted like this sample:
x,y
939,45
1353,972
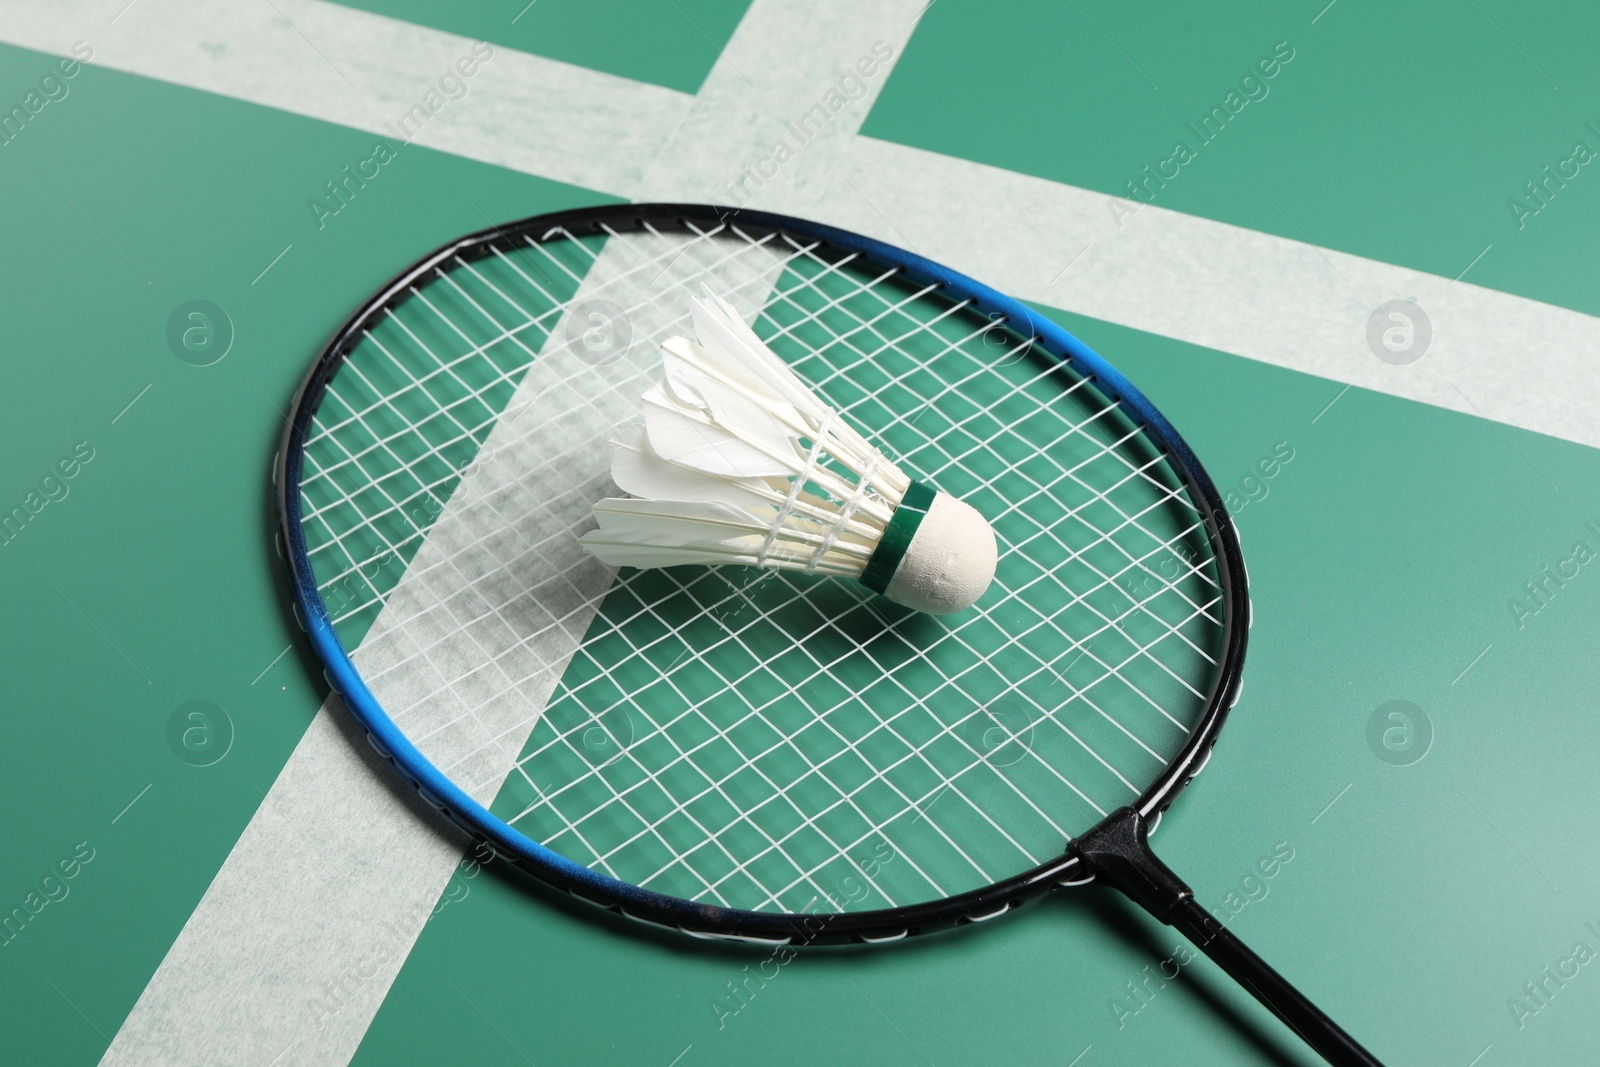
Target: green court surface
x,y
1432,869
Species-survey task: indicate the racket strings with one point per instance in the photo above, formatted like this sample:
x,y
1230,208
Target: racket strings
x,y
558,622
793,834
1173,493
812,768
475,432
1110,667
413,393
442,367
1170,494
752,814
434,492
467,621
916,804
622,387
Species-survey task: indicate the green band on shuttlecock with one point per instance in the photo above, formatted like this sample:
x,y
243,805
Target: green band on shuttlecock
x,y
885,559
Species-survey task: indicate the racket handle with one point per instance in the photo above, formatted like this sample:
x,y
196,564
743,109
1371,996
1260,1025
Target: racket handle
x,y
1118,852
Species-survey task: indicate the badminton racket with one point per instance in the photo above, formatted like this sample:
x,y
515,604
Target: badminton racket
x,y
774,757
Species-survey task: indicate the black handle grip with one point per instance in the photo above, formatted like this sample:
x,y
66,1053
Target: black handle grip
x,y
1118,852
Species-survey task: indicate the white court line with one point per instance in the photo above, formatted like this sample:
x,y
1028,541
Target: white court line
x,y
522,112
1267,298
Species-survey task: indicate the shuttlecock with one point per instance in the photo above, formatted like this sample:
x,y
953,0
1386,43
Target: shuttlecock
x,y
736,461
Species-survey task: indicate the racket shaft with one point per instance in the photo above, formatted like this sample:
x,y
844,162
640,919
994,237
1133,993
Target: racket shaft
x,y
1268,986
1118,852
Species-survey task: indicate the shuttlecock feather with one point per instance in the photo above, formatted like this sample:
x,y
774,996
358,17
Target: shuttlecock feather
x,y
737,461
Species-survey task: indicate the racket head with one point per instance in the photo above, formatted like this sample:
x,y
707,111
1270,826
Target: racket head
x,y
351,461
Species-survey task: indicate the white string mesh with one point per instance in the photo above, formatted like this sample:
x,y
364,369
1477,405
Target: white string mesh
x,y
753,738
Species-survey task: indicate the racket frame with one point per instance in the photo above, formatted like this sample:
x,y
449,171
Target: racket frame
x,y
646,906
